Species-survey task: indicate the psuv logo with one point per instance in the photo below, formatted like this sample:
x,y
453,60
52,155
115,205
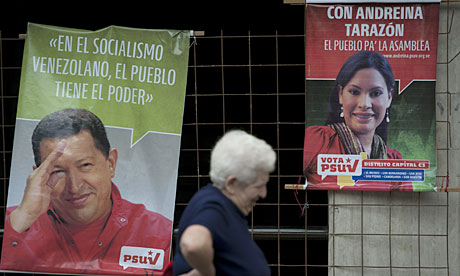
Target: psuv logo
x,y
339,164
141,257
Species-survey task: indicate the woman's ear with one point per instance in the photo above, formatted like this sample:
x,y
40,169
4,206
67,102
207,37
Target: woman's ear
x,y
230,184
390,97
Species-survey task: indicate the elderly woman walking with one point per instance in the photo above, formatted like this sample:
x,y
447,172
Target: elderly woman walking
x,y
213,236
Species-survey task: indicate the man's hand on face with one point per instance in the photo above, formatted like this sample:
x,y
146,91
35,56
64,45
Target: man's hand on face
x,y
37,194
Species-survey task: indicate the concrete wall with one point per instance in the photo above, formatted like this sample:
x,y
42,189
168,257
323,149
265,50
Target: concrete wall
x,y
401,233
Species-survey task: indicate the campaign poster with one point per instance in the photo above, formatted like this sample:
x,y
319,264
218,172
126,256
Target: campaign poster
x,y
370,96
96,151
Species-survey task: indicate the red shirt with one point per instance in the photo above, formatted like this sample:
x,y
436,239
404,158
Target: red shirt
x,y
324,140
133,241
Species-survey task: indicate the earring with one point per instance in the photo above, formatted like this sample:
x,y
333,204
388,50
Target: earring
x,y
388,116
341,111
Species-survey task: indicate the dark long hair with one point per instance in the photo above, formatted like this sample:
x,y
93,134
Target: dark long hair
x,y
358,61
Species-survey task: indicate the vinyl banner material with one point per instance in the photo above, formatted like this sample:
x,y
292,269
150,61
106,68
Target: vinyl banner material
x,y
370,96
96,151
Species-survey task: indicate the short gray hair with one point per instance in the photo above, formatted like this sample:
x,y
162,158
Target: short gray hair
x,y
241,155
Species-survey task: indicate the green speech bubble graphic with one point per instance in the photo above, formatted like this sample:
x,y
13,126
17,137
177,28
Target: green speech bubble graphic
x,y
131,78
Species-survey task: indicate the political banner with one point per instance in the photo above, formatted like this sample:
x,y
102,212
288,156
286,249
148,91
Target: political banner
x,y
370,96
96,151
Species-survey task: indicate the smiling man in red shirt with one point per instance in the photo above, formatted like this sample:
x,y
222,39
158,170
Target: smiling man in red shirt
x,y
72,218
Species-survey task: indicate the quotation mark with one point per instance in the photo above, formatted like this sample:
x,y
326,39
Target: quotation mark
x,y
149,98
53,42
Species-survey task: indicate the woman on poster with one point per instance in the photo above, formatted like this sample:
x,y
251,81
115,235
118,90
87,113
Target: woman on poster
x,y
358,120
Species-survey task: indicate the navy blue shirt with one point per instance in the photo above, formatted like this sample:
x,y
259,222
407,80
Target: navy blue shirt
x,y
235,252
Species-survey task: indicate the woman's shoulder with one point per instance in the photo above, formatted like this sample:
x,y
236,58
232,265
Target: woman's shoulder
x,y
319,131
320,139
208,197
